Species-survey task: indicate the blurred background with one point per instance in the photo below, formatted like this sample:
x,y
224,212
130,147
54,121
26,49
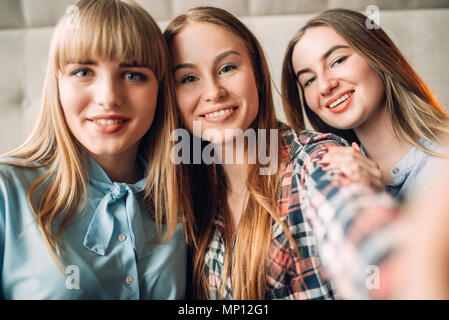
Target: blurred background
x,y
420,29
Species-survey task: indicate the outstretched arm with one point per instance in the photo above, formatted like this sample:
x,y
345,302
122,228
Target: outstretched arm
x,y
424,253
353,223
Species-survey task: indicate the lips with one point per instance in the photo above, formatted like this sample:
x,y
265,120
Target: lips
x,y
109,123
342,97
219,113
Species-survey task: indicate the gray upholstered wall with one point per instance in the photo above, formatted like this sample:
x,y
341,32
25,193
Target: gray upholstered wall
x,y
420,29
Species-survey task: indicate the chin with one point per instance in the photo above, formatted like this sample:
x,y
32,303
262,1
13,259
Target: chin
x,y
112,151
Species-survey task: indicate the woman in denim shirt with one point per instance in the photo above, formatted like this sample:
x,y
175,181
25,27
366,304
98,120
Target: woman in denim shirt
x,y
353,81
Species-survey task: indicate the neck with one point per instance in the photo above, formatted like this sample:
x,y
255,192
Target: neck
x,y
236,182
234,166
122,167
381,143
235,177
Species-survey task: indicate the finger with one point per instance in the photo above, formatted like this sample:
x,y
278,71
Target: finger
x,y
338,158
345,151
364,177
373,172
359,168
356,147
357,174
339,149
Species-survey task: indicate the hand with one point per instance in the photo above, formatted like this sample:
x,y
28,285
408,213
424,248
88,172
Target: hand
x,y
354,165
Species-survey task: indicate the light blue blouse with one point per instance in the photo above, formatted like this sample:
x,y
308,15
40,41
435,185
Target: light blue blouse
x,y
412,173
108,250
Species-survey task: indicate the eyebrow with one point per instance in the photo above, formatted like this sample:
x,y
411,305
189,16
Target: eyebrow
x,y
217,58
132,65
323,57
88,62
122,65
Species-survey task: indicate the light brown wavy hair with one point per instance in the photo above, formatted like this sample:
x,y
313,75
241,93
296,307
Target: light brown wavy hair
x,y
249,258
414,111
107,29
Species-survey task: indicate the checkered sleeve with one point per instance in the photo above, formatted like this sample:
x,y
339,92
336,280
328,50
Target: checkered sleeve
x,y
353,223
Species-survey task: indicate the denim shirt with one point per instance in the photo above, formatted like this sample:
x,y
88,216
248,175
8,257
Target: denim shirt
x,y
109,249
414,170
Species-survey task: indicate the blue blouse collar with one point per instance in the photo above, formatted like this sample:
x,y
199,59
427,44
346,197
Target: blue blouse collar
x,y
101,227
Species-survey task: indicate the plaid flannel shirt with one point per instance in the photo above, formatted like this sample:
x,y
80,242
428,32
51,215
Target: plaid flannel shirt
x,y
341,229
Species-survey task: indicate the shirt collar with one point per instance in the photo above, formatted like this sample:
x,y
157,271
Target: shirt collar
x,y
99,233
98,176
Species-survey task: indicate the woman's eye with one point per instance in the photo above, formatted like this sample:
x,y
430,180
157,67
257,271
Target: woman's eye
x,y
188,79
338,61
309,81
81,73
135,76
228,68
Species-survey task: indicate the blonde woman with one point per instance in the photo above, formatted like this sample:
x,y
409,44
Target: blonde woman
x,y
78,218
262,229
353,81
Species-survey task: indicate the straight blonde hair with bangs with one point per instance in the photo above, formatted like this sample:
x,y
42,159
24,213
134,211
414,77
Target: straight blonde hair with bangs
x,y
106,29
413,109
206,195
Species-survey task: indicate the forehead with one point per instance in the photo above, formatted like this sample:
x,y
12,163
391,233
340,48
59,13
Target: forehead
x,y
313,45
202,42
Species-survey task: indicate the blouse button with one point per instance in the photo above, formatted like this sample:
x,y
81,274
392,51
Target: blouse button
x,y
129,280
395,170
121,237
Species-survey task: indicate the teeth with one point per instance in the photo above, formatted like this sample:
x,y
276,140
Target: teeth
x,y
337,102
219,113
107,122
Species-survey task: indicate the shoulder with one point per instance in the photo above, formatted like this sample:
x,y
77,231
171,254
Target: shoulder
x,y
423,164
418,159
298,150
442,148
16,175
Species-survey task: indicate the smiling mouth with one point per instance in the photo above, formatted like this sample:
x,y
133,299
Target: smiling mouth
x,y
340,100
107,122
220,113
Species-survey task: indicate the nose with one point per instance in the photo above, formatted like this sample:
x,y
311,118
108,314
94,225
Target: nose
x,y
214,91
327,83
108,92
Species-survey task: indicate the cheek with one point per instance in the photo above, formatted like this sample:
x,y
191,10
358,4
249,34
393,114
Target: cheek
x,y
72,99
246,88
377,87
186,101
312,98
252,95
147,98
373,88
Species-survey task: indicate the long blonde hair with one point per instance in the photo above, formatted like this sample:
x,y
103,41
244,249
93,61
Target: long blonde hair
x,y
410,104
208,186
107,29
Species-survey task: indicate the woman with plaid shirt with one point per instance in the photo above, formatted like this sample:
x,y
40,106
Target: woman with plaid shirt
x,y
258,233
